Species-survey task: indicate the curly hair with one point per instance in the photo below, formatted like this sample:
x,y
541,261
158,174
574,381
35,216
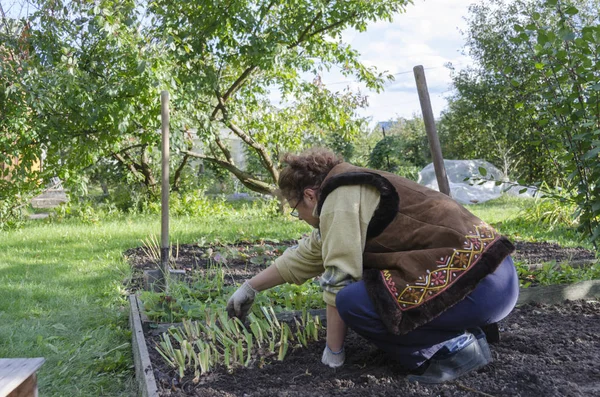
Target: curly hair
x,y
305,170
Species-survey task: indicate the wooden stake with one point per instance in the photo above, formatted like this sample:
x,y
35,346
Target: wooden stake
x,y
432,136
165,188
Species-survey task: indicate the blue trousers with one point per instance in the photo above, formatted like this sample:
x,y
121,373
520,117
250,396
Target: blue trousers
x,y
491,300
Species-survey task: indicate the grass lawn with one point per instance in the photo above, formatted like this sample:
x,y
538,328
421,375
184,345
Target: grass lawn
x,y
63,288
62,295
506,215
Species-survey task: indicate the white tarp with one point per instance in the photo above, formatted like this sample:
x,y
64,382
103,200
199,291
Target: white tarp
x,y
472,190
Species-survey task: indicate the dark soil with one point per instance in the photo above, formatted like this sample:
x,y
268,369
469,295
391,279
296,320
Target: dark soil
x,y
544,350
540,252
243,260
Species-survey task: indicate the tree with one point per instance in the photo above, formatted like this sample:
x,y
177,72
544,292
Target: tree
x,y
235,53
403,149
91,86
100,66
99,86
20,156
534,91
97,69
482,120
414,137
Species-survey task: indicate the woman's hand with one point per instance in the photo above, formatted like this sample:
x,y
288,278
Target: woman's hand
x,y
333,359
334,354
241,301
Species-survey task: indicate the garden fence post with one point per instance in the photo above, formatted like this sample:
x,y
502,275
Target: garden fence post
x,y
432,136
164,240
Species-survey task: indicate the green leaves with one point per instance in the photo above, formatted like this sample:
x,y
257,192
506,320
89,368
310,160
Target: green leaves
x,y
240,57
571,10
536,73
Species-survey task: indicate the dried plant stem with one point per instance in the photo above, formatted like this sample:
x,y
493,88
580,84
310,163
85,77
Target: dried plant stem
x,y
461,386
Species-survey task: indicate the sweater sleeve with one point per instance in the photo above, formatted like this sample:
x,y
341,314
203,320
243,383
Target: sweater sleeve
x,y
303,261
343,223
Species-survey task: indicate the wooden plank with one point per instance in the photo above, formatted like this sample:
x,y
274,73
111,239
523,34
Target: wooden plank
x,y
553,294
27,389
143,366
15,371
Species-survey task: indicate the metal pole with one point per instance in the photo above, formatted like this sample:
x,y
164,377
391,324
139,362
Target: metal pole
x,y
164,240
432,136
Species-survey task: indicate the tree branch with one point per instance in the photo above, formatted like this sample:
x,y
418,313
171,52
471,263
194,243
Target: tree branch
x,y
177,175
247,179
260,149
130,166
130,147
264,15
333,25
145,168
217,138
302,36
233,89
224,149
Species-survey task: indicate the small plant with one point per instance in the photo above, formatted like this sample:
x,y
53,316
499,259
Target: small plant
x,y
550,211
160,305
552,273
296,297
208,290
219,340
152,249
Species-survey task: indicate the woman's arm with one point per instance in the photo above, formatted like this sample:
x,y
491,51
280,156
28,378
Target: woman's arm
x,y
269,277
336,329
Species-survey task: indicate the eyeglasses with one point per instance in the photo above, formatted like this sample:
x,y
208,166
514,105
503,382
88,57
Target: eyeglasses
x,y
294,211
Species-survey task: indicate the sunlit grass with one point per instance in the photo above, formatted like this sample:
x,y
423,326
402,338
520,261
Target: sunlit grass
x,y
499,210
63,294
508,215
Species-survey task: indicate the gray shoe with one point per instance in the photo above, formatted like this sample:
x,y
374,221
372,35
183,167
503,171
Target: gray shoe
x,y
483,342
471,357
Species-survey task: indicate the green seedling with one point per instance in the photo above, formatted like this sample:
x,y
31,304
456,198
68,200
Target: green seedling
x,y
180,361
165,349
283,341
257,332
249,345
227,357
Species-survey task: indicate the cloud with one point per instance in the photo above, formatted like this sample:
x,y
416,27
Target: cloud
x,y
427,34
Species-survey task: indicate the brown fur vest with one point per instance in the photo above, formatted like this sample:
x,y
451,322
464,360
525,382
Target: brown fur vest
x,y
424,251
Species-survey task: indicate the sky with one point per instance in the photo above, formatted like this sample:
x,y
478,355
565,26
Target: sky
x,y
427,34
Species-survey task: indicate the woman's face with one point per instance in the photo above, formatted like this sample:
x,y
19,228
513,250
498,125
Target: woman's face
x,y
305,207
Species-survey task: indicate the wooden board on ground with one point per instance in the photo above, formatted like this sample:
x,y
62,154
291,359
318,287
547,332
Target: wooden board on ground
x,y
143,367
18,376
552,294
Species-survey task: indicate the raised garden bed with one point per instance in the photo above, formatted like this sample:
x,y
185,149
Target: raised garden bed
x,y
548,350
244,260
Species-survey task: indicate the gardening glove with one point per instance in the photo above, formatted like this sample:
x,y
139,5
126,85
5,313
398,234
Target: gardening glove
x,y
333,359
241,301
